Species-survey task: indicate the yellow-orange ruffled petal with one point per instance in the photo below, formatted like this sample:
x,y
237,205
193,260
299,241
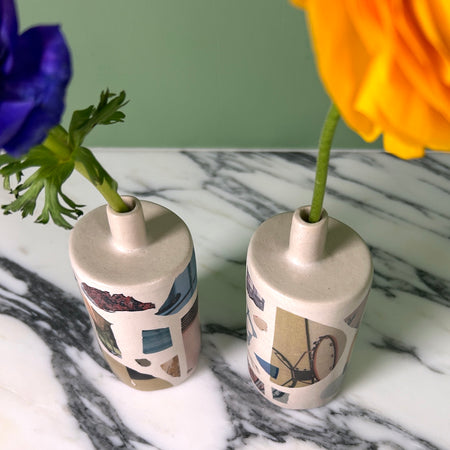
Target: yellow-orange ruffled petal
x,y
386,65
402,149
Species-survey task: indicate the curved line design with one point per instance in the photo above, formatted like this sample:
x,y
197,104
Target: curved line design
x,y
182,290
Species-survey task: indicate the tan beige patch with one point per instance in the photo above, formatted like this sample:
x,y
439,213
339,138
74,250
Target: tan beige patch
x,y
172,367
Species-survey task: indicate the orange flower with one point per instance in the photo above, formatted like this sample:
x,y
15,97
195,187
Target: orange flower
x,y
386,65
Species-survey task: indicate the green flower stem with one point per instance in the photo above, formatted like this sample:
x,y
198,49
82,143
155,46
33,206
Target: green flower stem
x,y
55,159
325,142
109,193
57,143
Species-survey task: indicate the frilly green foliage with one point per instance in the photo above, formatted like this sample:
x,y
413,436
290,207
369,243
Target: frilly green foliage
x,y
54,161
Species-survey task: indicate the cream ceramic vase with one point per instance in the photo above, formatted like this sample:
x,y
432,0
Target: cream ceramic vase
x,y
307,285
137,275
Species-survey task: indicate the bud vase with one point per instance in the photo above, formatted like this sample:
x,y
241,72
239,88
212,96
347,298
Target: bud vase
x,y
137,275
307,285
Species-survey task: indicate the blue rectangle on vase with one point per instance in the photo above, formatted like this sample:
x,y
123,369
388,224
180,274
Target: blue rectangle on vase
x,y
157,340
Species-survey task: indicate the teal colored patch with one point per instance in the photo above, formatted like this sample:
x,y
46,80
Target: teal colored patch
x,y
154,341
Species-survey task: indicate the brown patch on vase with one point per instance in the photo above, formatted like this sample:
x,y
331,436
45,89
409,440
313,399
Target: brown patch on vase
x,y
143,362
190,327
172,367
260,323
304,351
134,379
114,302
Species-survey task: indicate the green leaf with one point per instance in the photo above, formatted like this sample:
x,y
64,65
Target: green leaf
x,y
52,172
9,166
54,161
26,202
78,125
53,207
6,159
105,113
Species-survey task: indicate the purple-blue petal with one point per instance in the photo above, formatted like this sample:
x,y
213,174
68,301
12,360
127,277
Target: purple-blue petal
x,y
8,33
42,53
12,117
40,73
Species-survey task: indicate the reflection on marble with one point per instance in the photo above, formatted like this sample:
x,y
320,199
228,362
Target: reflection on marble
x,y
56,391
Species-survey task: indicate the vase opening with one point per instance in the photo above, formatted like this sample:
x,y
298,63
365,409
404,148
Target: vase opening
x,y
130,202
304,214
128,229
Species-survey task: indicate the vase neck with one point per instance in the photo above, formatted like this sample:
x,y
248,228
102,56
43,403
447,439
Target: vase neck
x,y
128,230
307,240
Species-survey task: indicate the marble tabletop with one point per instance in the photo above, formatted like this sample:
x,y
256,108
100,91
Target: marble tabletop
x,y
57,393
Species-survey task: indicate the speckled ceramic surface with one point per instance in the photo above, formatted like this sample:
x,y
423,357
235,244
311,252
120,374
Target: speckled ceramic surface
x,y
307,285
138,279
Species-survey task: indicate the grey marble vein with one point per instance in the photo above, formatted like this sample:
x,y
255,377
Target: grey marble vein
x,y
402,210
393,345
249,413
106,431
393,274
327,427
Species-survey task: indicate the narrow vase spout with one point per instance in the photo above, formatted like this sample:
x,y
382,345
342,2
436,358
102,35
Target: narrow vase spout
x,y
128,229
307,240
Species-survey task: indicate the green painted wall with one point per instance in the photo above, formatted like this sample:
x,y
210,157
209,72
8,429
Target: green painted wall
x,y
198,73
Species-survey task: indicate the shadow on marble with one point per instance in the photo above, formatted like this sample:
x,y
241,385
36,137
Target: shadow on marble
x,y
222,295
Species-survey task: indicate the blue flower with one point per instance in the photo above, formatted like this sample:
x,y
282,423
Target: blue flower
x,y
35,69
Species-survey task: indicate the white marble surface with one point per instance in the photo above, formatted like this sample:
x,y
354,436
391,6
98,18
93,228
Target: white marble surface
x,y
56,392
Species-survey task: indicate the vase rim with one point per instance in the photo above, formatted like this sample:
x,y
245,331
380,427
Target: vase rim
x,y
131,201
303,214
